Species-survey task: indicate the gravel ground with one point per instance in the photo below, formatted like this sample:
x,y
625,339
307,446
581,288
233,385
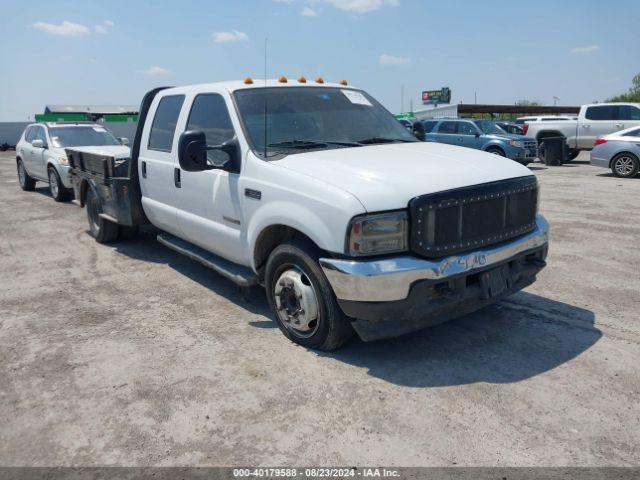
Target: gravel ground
x,y
130,354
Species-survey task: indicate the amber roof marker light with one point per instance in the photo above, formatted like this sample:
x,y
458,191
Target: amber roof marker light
x,y
344,82
248,81
301,79
282,79
319,80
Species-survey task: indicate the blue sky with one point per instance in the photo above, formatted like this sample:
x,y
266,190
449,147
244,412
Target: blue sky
x,y
111,52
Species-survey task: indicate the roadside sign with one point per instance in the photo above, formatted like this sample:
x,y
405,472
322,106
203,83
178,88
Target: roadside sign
x,y
431,97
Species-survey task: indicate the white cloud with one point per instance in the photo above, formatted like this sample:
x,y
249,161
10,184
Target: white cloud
x,y
361,6
587,49
308,12
66,28
386,59
156,71
232,36
104,27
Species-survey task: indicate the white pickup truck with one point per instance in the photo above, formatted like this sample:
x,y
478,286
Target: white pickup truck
x,y
594,121
316,192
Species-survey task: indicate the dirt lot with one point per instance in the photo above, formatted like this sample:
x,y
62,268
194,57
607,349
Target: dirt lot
x,y
130,354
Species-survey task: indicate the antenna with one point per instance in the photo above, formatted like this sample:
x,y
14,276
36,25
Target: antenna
x,y
265,97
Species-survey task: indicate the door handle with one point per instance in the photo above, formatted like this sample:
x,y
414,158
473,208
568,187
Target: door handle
x,y
144,169
619,125
176,177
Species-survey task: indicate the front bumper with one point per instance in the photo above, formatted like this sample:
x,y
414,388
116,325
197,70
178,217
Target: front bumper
x,y
65,176
396,295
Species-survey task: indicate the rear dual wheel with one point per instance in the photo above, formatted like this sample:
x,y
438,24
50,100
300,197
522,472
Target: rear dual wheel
x,y
101,229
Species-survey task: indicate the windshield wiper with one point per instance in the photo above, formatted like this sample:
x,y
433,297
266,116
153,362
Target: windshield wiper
x,y
374,140
311,144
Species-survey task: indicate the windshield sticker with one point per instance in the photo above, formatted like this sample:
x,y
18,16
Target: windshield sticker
x,y
356,97
99,129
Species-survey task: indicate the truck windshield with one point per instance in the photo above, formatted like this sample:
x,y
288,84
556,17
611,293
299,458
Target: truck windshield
x,y
319,118
490,128
81,136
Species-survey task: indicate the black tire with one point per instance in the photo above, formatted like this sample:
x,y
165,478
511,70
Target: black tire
x,y
496,151
332,328
573,154
128,233
58,191
542,153
625,165
27,183
101,229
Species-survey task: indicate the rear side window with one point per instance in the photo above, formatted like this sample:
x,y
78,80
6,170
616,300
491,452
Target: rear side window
x,y
447,127
604,112
428,126
28,136
467,128
163,128
209,114
627,112
633,133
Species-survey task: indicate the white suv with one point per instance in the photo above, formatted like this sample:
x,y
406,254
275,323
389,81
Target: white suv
x,y
40,154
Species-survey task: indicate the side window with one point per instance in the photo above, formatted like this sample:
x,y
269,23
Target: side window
x,y
164,123
28,136
209,114
447,127
627,112
428,126
633,133
604,112
39,135
467,128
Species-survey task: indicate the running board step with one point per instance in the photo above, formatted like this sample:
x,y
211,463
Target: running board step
x,y
238,274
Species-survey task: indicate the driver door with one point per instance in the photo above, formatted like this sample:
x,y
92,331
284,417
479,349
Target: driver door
x,y
38,165
209,212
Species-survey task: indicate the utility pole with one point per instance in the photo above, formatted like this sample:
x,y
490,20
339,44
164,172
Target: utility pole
x,y
402,98
555,101
475,98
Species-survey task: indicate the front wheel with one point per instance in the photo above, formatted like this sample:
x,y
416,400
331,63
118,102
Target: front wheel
x,y
625,165
496,151
301,299
101,229
26,182
58,191
573,154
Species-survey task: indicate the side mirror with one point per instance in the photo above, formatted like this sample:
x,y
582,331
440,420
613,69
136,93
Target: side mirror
x,y
37,143
123,141
192,151
193,148
477,134
418,131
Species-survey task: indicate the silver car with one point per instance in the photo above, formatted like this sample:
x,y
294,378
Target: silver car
x,y
619,151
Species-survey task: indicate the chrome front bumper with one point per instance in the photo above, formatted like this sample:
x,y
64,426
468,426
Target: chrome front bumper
x,y
390,279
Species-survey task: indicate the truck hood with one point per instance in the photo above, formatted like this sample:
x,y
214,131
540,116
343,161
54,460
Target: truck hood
x,y
386,177
115,151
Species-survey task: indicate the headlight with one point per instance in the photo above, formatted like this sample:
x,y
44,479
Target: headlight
x,y
378,234
516,143
63,161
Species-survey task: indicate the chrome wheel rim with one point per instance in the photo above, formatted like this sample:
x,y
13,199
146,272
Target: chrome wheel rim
x,y
296,302
53,183
21,174
624,165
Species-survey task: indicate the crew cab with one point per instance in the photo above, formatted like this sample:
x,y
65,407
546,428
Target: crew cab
x,y
40,154
314,191
595,120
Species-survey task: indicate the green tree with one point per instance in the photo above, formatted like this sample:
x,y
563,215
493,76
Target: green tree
x,y
633,95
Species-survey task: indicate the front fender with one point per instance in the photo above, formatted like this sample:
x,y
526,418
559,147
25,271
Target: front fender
x,y
297,217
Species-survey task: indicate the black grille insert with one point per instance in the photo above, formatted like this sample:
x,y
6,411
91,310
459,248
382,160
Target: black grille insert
x,y
472,217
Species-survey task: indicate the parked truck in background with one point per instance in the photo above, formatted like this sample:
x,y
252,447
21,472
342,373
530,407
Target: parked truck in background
x,y
595,120
317,193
